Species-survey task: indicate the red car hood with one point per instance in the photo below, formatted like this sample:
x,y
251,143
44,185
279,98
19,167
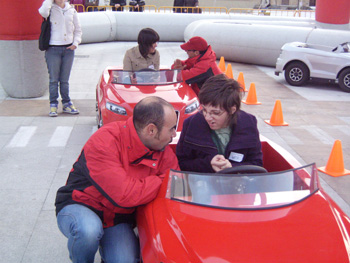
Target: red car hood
x,y
309,231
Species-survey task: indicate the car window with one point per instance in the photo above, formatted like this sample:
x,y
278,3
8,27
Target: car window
x,y
244,191
146,77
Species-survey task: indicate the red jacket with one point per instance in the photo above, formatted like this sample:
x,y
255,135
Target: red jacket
x,y
198,69
115,173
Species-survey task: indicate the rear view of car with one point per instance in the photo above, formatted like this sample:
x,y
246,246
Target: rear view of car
x,y
302,62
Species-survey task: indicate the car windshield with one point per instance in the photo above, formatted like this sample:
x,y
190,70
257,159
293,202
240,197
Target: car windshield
x,y
243,191
147,77
346,47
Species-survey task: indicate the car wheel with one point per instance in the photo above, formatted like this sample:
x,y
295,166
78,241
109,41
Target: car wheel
x,y
296,74
344,80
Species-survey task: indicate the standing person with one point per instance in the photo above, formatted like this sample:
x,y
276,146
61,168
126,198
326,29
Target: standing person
x,y
144,55
65,38
200,65
191,4
178,3
137,5
117,5
221,135
91,5
120,168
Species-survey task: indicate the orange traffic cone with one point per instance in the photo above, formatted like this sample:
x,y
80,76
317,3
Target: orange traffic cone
x,y
222,66
241,80
335,164
228,72
277,116
251,97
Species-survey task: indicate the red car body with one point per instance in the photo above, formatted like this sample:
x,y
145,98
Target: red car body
x,y
118,91
300,223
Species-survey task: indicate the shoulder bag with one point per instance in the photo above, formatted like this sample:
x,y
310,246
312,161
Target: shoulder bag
x,y
44,39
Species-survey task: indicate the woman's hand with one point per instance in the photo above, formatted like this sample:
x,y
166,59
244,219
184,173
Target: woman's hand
x,y
219,162
72,47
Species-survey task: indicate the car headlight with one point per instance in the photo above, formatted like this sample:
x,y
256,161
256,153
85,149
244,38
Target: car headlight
x,y
192,107
115,108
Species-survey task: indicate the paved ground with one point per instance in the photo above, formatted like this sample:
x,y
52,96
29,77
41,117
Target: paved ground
x,y
37,152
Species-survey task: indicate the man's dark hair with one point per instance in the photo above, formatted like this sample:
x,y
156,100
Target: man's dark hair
x,y
147,37
219,90
150,110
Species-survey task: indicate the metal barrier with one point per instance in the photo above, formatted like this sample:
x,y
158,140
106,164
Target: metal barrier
x,y
78,7
147,8
272,12
190,9
206,10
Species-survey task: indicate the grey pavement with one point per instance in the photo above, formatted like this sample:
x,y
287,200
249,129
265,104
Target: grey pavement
x,y
37,152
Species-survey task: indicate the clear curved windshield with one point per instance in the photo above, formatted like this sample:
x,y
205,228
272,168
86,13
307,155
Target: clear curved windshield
x,y
243,191
146,77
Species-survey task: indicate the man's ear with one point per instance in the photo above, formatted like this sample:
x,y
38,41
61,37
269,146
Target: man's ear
x,y
151,129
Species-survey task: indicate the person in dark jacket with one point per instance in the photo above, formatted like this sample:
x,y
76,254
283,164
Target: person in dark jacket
x,y
200,65
191,4
221,135
120,167
117,5
178,3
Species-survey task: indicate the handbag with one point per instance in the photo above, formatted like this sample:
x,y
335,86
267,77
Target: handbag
x,y
45,34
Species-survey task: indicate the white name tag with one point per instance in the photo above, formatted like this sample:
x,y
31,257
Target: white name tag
x,y
236,157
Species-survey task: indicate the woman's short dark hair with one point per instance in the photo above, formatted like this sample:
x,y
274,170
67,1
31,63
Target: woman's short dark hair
x,y
147,37
219,90
150,110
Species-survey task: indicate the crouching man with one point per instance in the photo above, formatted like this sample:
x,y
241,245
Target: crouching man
x,y
120,167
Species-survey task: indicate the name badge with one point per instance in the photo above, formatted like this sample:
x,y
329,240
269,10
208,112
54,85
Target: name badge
x,y
236,157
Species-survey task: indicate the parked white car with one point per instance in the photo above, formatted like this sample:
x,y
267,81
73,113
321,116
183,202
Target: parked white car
x,y
302,62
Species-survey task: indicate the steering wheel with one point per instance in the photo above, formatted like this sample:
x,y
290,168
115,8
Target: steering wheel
x,y
146,69
147,77
243,169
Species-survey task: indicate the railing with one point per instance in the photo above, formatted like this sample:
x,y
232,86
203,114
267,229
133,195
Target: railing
x,y
272,12
204,9
189,9
126,8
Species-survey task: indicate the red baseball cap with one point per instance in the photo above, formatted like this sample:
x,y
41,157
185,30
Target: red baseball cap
x,y
195,43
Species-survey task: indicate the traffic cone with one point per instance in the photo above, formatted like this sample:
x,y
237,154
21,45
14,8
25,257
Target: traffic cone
x,y
251,97
335,164
241,81
277,116
228,72
222,66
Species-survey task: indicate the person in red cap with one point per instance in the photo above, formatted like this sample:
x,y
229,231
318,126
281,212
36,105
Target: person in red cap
x,y
200,65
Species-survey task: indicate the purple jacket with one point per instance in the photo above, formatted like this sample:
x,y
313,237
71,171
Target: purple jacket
x,y
196,147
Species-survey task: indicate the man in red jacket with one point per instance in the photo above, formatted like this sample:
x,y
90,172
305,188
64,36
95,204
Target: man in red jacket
x,y
120,167
200,65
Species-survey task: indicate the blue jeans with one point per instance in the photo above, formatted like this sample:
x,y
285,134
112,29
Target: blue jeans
x,y
59,62
85,234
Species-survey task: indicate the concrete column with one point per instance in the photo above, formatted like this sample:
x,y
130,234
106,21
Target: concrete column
x,y
23,71
333,11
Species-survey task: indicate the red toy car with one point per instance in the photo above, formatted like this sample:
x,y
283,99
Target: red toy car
x,y
118,91
280,214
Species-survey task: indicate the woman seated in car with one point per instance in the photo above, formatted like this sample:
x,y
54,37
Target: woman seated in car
x,y
144,55
221,135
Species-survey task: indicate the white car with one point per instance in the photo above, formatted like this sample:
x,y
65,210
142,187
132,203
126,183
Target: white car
x,y
301,62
